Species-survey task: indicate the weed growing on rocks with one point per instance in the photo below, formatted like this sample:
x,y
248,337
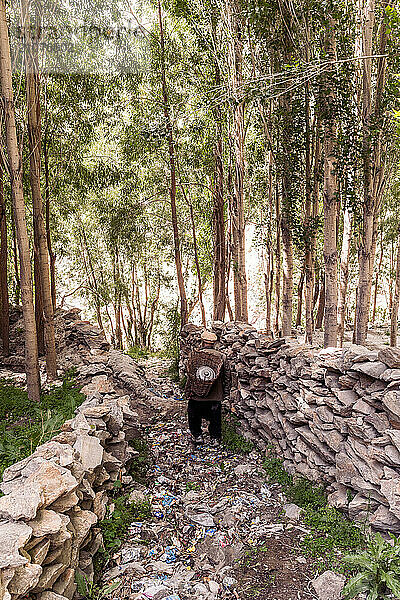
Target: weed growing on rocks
x,y
92,591
141,463
331,533
378,570
114,527
233,440
24,425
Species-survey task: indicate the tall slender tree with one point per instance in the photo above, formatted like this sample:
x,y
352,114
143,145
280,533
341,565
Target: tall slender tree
x,y
4,301
172,163
42,270
330,196
373,159
15,167
235,58
219,249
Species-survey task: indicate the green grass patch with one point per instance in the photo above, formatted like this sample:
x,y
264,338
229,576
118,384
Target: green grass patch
x,y
116,524
139,353
24,424
233,440
331,533
141,464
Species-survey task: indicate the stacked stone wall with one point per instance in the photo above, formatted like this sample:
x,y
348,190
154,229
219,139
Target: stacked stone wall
x,y
54,500
332,415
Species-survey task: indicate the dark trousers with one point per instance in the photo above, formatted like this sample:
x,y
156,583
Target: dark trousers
x,y
211,411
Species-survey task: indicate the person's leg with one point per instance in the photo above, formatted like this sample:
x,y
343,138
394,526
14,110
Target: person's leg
x,y
194,417
215,428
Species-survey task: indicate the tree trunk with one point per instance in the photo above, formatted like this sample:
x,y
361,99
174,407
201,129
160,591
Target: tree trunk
x,y
235,51
376,284
373,166
52,256
268,283
219,284
287,270
300,288
330,203
15,165
196,261
4,302
396,298
117,301
17,290
310,241
277,262
38,297
34,134
319,319
344,274
172,189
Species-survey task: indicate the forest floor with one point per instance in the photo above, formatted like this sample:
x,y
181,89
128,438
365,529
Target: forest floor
x,y
217,529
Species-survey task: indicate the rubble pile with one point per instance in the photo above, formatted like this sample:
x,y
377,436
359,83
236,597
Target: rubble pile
x,y
333,415
54,499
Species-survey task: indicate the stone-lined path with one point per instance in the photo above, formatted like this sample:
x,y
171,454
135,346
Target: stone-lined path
x,y
217,529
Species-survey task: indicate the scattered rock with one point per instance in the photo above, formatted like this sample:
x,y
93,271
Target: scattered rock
x,y
329,586
292,511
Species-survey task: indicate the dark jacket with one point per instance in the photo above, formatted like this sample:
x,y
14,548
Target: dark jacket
x,y
220,389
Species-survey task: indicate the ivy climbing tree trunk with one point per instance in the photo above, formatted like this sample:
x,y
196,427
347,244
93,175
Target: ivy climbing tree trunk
x,y
172,188
4,301
310,237
42,269
15,166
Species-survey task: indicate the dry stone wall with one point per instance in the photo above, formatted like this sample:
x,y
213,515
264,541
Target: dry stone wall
x,y
54,499
333,415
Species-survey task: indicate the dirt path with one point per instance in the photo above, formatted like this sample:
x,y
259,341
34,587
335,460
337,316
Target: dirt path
x,y
217,529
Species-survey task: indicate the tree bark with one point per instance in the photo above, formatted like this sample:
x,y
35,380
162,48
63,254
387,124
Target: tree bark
x,y
117,301
286,214
38,297
373,165
15,165
319,319
4,301
235,51
396,298
277,261
310,238
196,259
344,274
52,256
287,270
17,290
300,288
219,283
34,134
172,188
376,283
330,203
